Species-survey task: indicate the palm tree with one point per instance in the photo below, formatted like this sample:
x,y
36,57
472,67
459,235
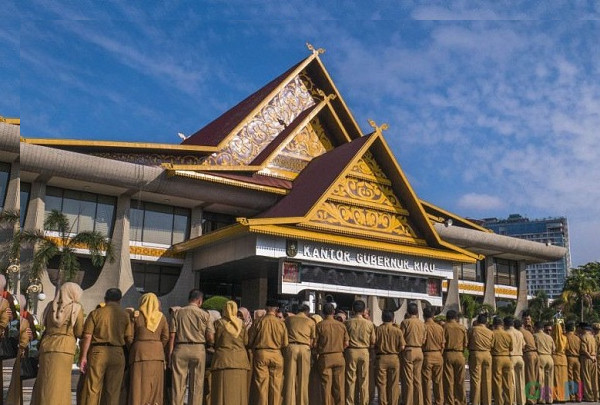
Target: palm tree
x,y
539,307
63,246
471,307
582,286
10,248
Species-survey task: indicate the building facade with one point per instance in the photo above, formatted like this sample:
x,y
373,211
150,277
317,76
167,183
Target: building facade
x,y
281,196
550,276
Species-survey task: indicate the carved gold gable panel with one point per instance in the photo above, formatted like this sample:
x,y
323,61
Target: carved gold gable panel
x,y
367,168
266,124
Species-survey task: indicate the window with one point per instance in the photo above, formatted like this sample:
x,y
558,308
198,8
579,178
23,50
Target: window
x,y
160,224
212,221
85,211
472,272
4,178
25,192
506,272
156,278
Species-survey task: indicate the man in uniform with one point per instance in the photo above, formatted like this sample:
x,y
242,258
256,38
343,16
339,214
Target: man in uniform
x,y
191,330
516,358
480,362
389,342
454,360
588,360
301,337
332,339
361,333
433,362
268,339
545,348
596,328
412,356
530,358
106,331
502,385
573,364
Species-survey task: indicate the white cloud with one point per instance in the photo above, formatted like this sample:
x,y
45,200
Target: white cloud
x,y
480,202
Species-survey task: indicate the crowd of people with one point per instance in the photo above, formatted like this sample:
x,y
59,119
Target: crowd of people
x,y
140,357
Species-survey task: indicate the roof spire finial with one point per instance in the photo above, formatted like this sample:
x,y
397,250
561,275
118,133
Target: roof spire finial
x,y
314,51
378,129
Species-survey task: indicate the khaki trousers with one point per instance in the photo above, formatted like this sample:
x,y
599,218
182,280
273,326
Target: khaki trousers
x,y
268,376
296,374
574,377
589,375
502,385
433,370
531,376
412,364
546,375
357,376
518,366
480,370
104,375
387,374
188,360
332,369
454,378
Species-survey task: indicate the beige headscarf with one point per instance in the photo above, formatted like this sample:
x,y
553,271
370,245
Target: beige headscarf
x,y
150,308
317,318
2,282
232,323
560,340
247,317
65,305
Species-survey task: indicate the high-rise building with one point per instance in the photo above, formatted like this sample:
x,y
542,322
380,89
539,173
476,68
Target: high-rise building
x,y
549,276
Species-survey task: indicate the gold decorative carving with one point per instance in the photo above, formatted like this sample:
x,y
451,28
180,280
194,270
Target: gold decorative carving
x,y
310,85
361,190
344,215
315,51
155,252
288,163
310,142
378,129
368,168
259,131
152,159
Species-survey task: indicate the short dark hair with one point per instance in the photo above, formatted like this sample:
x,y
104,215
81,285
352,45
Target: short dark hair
x,y
358,306
428,313
451,315
113,295
387,315
497,321
412,308
518,323
482,319
539,325
303,308
195,294
525,313
570,326
328,309
509,321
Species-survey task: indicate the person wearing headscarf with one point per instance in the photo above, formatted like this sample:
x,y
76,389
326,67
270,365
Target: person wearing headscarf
x,y
245,316
230,363
147,353
559,356
63,324
25,336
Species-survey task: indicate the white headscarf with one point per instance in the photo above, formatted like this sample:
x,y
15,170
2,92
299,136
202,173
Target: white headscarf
x,y
65,305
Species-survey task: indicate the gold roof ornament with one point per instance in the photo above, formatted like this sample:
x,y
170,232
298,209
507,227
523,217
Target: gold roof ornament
x,y
378,129
318,51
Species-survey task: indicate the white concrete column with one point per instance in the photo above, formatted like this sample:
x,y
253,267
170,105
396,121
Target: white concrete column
x,y
452,295
13,190
401,312
489,296
522,303
376,312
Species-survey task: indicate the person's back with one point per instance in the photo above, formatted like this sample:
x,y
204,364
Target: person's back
x,y
480,362
545,348
412,356
455,336
433,362
362,336
502,345
301,337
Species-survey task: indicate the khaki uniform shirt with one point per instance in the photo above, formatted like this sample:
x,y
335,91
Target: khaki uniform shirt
x,y
230,351
24,338
301,329
388,339
588,345
109,324
434,337
480,338
61,339
518,341
597,337
191,324
544,343
148,345
573,344
456,337
332,336
4,318
502,343
414,332
361,332
269,333
529,345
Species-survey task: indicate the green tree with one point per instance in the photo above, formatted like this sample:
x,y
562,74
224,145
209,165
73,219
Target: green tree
x,y
63,246
539,307
471,307
9,223
582,288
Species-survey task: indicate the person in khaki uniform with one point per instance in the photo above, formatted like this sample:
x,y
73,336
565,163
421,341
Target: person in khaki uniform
x,y
502,384
361,333
301,337
516,358
596,328
530,358
573,364
559,356
433,362
454,360
545,348
191,329
588,360
389,342
332,340
63,324
268,338
105,332
480,362
412,356
15,388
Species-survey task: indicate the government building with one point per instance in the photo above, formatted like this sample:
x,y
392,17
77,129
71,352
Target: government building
x,y
281,196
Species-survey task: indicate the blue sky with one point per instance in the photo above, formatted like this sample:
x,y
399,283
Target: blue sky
x,y
493,107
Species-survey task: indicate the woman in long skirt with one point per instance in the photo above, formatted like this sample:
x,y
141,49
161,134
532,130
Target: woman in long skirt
x,y
230,363
147,353
559,356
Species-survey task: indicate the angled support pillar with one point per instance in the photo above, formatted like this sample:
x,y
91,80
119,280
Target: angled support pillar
x,y
489,297
522,303
452,295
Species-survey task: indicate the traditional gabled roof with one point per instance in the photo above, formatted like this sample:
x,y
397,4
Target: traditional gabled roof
x,y
440,215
